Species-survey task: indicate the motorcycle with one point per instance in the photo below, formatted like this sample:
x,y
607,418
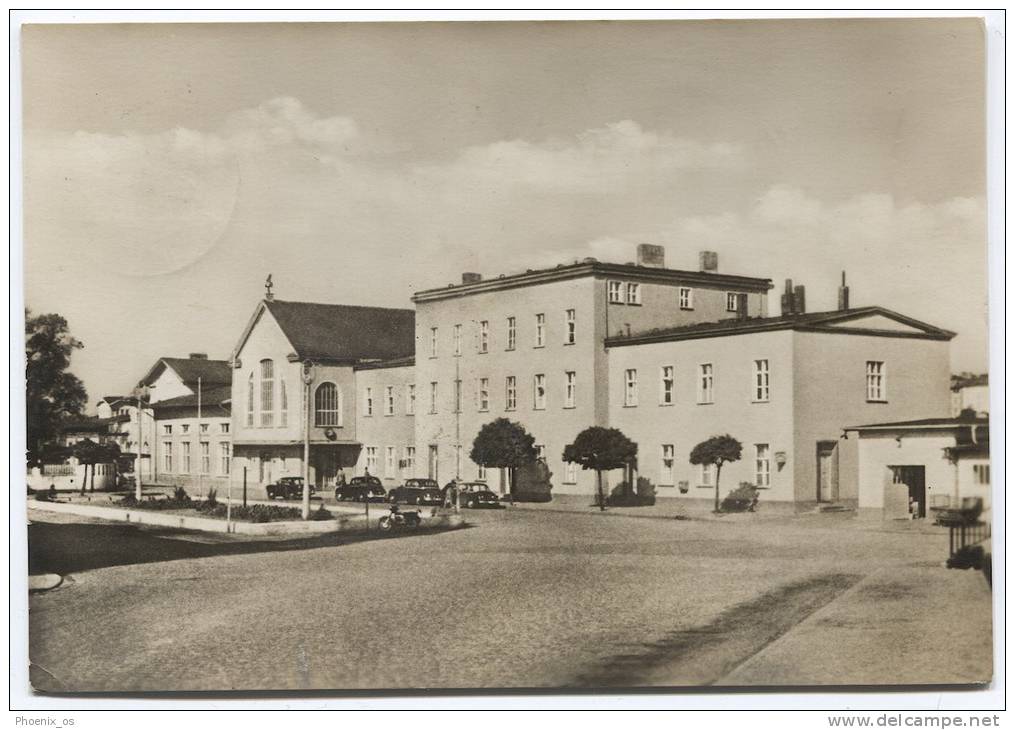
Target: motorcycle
x,y
399,520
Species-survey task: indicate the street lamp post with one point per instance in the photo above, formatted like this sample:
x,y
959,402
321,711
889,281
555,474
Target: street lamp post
x,y
308,378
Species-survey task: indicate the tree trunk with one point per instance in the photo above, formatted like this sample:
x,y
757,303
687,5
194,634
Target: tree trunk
x,y
512,475
718,470
84,480
599,490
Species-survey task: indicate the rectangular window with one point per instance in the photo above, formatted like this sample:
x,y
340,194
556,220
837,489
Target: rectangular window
x,y
390,462
686,297
511,332
540,330
630,387
458,396
484,394
539,392
224,427
615,295
167,429
205,457
876,386
185,428
569,324
480,472
570,472
368,401
762,465
203,427
706,476
433,397
457,336
731,301
283,403
666,472
185,457
167,457
634,293
409,463
981,472
433,342
389,400
371,463
706,383
760,381
484,336
666,385
510,393
410,399
224,458
569,388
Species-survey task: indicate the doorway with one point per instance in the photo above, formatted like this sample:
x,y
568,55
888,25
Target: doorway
x,y
915,479
828,471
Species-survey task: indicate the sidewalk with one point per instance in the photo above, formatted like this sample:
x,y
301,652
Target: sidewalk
x,y
904,625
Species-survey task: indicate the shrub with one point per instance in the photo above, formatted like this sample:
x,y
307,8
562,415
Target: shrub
x,y
180,495
532,483
212,497
742,499
643,496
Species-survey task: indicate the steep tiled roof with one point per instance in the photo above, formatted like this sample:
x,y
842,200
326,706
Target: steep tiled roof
x,y
832,321
344,332
211,372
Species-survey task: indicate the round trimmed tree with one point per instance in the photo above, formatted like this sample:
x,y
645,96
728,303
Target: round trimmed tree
x,y
717,451
504,444
602,449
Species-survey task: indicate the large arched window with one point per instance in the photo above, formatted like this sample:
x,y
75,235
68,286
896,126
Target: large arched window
x,y
267,392
327,405
250,399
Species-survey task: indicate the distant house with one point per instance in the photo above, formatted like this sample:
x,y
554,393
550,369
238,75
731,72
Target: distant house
x,y
909,468
970,392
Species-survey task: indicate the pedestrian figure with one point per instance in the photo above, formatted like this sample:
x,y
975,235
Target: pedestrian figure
x,y
340,478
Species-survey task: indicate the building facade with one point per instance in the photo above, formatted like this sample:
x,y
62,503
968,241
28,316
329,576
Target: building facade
x,y
294,380
530,347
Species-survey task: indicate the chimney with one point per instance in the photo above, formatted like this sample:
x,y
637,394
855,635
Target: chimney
x,y
843,294
799,304
471,277
788,305
198,356
708,261
651,255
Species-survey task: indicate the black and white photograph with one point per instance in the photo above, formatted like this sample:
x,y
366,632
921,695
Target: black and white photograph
x,y
561,356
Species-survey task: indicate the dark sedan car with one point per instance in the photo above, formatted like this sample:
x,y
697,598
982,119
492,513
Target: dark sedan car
x,y
417,491
287,488
360,489
474,495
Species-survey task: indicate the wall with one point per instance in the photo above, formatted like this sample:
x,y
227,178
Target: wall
x,y
71,478
686,423
830,392
167,385
879,451
380,430
186,429
553,427
968,484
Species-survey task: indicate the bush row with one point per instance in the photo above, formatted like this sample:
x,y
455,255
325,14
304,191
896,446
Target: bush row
x,y
211,507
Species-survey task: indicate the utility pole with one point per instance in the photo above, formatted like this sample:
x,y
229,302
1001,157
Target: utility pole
x,y
140,440
308,378
200,463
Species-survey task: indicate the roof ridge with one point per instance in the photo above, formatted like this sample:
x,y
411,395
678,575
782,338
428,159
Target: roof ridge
x,y
270,302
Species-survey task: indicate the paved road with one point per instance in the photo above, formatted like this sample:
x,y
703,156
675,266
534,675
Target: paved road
x,y
519,599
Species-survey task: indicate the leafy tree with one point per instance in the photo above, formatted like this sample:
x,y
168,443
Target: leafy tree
x,y
504,444
52,393
601,449
717,450
89,453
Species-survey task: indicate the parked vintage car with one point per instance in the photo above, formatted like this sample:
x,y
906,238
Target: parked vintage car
x,y
474,495
287,488
360,489
417,491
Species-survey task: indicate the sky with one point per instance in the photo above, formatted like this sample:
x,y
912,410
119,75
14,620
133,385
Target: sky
x,y
170,168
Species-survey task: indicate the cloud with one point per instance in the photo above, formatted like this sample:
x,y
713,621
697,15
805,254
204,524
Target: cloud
x,y
597,160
